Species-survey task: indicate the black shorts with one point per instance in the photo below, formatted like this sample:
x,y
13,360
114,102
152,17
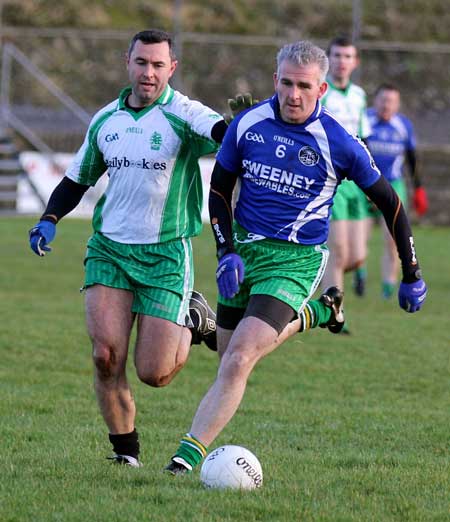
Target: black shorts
x,y
271,310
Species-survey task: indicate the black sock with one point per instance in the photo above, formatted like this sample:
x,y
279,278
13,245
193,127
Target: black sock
x,y
126,443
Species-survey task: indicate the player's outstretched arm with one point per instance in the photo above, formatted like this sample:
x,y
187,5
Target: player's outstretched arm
x,y
413,290
64,199
230,270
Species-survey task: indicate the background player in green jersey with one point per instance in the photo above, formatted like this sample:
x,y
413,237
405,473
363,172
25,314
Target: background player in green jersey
x,y
139,260
349,222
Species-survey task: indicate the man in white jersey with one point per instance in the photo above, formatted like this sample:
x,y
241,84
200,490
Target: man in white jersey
x,y
290,156
139,261
348,228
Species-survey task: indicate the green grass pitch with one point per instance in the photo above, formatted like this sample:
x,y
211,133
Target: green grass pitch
x,y
347,428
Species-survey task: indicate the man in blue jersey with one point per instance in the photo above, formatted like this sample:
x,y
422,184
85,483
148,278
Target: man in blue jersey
x,y
139,261
392,144
290,155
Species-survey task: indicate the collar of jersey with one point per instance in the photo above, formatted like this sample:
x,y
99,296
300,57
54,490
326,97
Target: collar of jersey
x,y
334,88
276,109
165,98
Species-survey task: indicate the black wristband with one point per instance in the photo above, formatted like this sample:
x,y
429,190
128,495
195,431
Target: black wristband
x,y
224,250
412,277
49,217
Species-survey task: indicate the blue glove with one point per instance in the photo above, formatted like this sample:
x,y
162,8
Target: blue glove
x,y
229,274
41,235
411,296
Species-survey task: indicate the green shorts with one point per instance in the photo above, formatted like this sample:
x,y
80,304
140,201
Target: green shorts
x,y
399,186
288,271
350,203
160,275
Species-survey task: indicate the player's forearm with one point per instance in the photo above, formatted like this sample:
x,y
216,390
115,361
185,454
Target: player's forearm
x,y
63,200
387,200
411,159
220,211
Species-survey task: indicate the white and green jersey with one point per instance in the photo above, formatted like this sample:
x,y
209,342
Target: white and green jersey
x,y
348,106
154,192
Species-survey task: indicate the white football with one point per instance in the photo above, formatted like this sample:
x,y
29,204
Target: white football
x,y
232,467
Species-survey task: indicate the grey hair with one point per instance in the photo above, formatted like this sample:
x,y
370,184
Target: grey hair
x,y
303,53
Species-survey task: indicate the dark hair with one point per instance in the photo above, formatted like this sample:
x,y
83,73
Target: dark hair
x,y
151,36
386,87
342,40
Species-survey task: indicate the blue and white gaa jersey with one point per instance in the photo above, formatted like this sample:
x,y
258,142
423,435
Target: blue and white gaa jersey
x,y
389,142
290,172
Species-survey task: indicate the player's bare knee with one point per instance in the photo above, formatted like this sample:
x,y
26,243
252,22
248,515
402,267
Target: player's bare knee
x,y
154,378
105,361
237,363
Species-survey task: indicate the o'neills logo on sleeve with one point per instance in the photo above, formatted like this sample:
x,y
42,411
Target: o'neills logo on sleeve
x,y
276,179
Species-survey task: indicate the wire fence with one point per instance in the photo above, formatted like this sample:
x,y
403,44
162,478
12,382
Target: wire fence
x,y
89,66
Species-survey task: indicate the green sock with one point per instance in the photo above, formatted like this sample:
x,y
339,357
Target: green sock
x,y
191,450
361,272
387,289
314,314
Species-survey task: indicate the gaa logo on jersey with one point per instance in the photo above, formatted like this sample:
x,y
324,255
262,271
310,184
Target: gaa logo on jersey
x,y
308,156
254,136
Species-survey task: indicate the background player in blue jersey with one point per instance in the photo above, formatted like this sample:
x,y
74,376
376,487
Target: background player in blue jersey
x,y
290,156
392,144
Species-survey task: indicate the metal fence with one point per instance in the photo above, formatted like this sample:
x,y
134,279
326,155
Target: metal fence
x,y
89,67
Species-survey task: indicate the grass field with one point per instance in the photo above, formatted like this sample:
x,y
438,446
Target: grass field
x,y
347,428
